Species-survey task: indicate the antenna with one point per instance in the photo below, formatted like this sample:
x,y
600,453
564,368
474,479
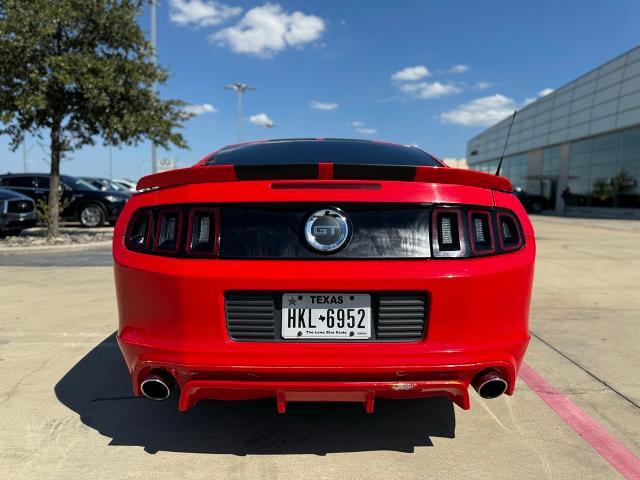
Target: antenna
x,y
506,142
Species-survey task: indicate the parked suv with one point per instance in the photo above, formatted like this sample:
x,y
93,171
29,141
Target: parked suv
x,y
82,202
17,212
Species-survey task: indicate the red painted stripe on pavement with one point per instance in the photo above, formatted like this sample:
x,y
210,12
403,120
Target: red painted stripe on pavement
x,y
614,452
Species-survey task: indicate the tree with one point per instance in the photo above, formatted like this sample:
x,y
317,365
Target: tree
x,y
79,70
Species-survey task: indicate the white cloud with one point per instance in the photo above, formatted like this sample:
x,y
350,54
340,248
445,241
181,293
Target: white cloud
x,y
483,111
425,90
367,131
411,74
199,109
361,127
200,13
460,68
483,85
487,111
323,105
262,120
542,93
267,30
456,162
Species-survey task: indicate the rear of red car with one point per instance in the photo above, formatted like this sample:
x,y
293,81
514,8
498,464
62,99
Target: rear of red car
x,y
323,270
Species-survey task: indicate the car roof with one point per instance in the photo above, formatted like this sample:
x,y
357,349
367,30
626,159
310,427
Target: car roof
x,y
32,174
13,193
295,151
35,174
29,174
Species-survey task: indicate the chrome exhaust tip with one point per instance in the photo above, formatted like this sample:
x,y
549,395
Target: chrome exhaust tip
x,y
157,386
489,384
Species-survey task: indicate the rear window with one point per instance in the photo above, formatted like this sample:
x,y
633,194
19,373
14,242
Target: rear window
x,y
292,152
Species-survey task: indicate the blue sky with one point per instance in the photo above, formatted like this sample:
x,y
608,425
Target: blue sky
x,y
421,72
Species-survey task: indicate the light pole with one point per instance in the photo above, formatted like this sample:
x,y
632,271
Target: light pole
x,y
110,162
240,88
154,44
24,154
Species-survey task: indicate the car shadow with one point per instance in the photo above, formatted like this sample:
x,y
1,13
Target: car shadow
x,y
98,389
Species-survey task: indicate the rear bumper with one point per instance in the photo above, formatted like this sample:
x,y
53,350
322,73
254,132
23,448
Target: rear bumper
x,y
172,317
365,373
362,392
18,220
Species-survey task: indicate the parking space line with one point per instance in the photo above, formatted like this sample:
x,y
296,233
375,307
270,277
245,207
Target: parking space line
x,y
599,380
612,450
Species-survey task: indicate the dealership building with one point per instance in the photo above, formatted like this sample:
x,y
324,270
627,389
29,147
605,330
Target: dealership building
x,y
579,147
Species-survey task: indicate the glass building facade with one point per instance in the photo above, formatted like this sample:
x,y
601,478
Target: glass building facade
x,y
579,146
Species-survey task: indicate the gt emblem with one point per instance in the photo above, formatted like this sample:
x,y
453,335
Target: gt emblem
x,y
331,230
327,230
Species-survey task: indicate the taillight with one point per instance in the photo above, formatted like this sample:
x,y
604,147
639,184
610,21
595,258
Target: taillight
x,y
510,237
470,231
203,232
175,230
168,231
456,231
447,233
481,232
139,233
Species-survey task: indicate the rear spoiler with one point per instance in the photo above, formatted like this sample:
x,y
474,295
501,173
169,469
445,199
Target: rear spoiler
x,y
322,171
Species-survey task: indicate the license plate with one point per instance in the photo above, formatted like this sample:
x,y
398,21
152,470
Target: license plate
x,y
326,315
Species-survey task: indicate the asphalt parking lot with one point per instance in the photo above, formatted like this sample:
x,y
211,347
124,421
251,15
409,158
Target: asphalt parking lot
x,y
66,409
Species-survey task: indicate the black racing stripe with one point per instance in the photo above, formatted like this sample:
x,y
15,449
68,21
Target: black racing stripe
x,y
277,172
374,172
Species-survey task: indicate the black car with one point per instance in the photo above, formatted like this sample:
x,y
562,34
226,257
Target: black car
x,y
532,203
17,212
81,201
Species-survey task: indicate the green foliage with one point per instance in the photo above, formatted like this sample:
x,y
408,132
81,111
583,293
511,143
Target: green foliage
x,y
42,208
623,182
602,189
81,69
87,63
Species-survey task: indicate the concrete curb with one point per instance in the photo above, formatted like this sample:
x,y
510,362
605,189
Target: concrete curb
x,y
55,248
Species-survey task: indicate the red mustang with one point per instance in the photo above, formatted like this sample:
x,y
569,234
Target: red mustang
x,y
323,270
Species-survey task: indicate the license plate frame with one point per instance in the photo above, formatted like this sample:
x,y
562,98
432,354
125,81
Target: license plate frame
x,y
347,316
